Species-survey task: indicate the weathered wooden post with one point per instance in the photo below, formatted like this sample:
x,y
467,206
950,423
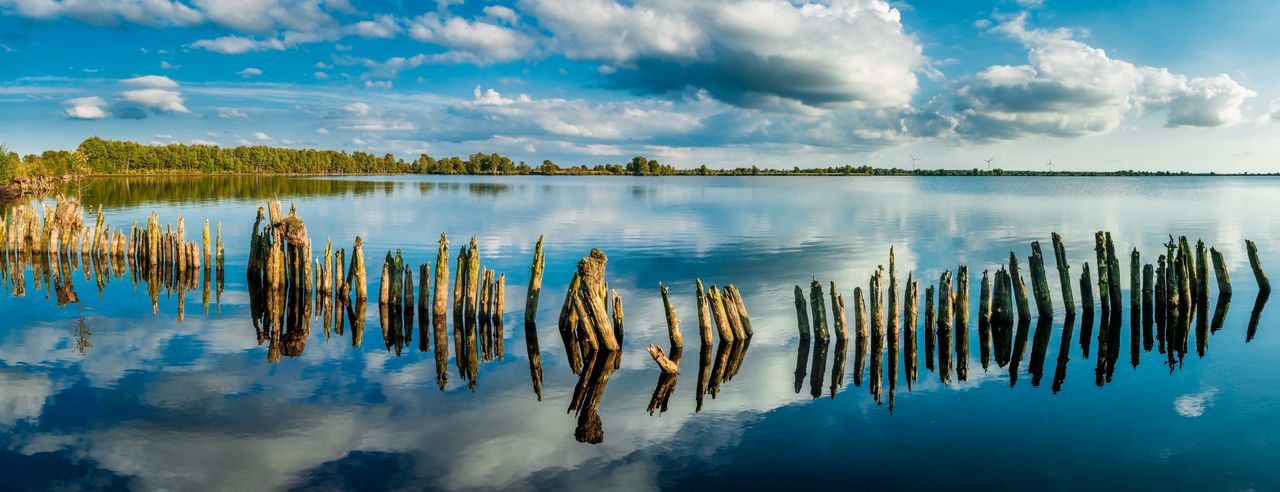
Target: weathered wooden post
x,y
356,277
667,365
1019,288
929,330
731,311
617,316
535,284
743,317
440,298
984,299
837,314
911,298
1264,285
802,312
819,310
384,285
591,294
722,317
1113,275
960,305
891,315
673,321
1202,271
1064,273
1040,282
1100,248
704,316
472,281
1220,272
424,293
1135,280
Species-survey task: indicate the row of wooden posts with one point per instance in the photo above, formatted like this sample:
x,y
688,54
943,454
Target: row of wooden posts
x,y
62,232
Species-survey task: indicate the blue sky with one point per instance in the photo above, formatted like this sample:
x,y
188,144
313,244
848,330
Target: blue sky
x,y
1089,84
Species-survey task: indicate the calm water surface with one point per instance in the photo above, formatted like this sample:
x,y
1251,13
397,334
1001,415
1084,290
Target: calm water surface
x,y
102,393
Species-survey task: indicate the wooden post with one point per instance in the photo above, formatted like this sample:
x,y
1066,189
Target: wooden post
x,y
1202,271
1220,271
384,285
535,284
911,299
1002,310
459,281
591,293
357,270
859,313
1148,278
1113,274
673,321
221,254
1019,288
819,310
743,317
1135,280
731,310
207,249
1264,285
930,340
721,317
1086,289
617,316
424,293
440,299
1100,250
704,315
802,312
473,278
837,314
891,315
1161,297
1064,273
407,294
1040,282
960,305
984,299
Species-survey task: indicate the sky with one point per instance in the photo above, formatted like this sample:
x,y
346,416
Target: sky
x,y
1086,85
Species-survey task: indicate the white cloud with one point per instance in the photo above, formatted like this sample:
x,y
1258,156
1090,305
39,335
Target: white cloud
x,y
155,81
263,16
201,141
262,136
1068,88
381,27
1274,109
162,100
321,76
22,395
1193,405
322,131
249,72
164,65
235,45
85,108
381,84
848,54
470,41
155,13
501,13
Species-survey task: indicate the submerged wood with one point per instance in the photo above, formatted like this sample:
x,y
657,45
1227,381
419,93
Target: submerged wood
x,y
859,313
743,317
1264,285
617,316
911,300
1064,273
440,297
472,281
592,295
1113,274
667,365
1135,280
459,283
802,313
356,276
961,328
1100,250
929,330
535,284
891,314
731,311
673,321
1040,282
1202,272
984,299
1086,289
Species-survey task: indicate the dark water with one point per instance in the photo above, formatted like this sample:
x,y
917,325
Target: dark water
x,y
102,393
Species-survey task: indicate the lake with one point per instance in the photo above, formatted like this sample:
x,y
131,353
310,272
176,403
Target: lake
x,y
117,390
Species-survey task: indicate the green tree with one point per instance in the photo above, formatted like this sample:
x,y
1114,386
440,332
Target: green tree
x,y
8,165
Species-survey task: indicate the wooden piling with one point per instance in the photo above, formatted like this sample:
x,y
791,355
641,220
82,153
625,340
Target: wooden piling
x,y
819,310
673,321
592,294
424,293
1220,272
1100,250
535,284
1040,282
1202,272
459,283
1135,280
891,314
721,316
743,317
1086,289
356,277
1113,274
384,285
1064,273
837,314
1019,288
859,314
984,299
617,317
704,315
802,312
440,299
1264,285
473,278
911,300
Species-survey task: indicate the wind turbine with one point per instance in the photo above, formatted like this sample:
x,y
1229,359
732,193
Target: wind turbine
x,y
989,163
1051,165
914,160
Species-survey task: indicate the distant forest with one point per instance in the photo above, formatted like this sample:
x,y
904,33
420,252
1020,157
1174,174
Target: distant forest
x,y
96,156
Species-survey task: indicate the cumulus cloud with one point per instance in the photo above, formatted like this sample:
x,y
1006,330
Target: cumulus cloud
x,y
157,100
154,81
501,13
85,108
1274,109
249,72
847,54
262,136
381,27
231,113
1069,88
470,41
156,13
263,16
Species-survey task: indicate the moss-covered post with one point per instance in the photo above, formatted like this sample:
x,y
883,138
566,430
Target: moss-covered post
x,y
1135,280
357,275
704,316
859,314
1100,250
716,299
440,298
1040,282
837,315
819,311
1064,273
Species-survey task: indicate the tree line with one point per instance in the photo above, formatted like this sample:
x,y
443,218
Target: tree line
x,y
96,156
